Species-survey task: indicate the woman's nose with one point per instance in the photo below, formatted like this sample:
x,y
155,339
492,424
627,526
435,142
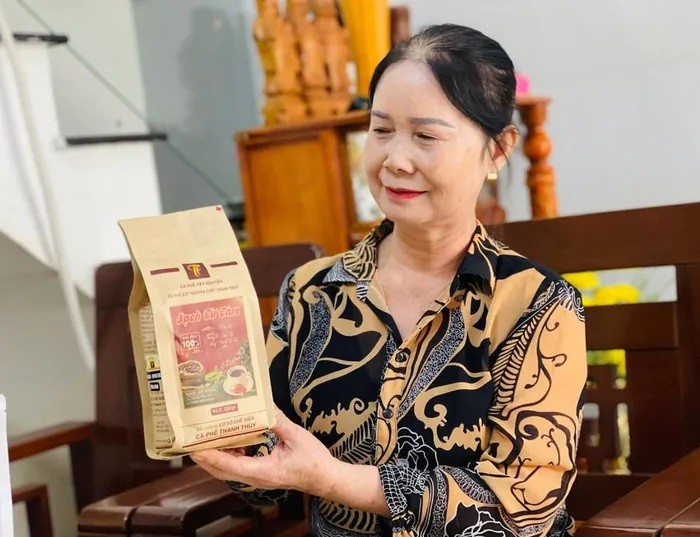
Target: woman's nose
x,y
398,158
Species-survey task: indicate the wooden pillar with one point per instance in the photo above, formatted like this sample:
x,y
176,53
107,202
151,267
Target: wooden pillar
x,y
537,147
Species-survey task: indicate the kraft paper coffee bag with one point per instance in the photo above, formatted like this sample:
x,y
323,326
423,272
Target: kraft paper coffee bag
x,y
197,335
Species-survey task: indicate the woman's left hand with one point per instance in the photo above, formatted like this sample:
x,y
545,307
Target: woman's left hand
x,y
300,462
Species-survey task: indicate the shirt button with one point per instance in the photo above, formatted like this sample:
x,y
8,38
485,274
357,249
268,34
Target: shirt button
x,y
388,413
402,356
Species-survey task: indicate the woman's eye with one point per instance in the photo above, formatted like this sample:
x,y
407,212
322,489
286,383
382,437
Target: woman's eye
x,y
426,137
381,130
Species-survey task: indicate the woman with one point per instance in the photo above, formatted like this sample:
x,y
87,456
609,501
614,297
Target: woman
x,y
430,379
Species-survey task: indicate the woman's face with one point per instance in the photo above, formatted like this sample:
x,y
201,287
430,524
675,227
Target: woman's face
x,y
425,161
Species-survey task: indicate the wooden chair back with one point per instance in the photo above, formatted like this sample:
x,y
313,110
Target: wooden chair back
x,y
119,461
661,340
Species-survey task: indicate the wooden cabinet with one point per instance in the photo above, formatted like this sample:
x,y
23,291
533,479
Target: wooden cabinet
x,y
295,182
298,184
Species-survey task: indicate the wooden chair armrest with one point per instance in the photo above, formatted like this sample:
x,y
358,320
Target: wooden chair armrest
x,y
651,506
36,501
684,525
181,504
36,442
76,435
27,493
169,501
593,492
185,510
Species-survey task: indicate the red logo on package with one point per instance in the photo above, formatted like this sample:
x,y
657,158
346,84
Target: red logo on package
x,y
196,271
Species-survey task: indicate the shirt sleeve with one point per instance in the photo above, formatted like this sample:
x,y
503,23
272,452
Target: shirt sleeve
x,y
519,484
277,348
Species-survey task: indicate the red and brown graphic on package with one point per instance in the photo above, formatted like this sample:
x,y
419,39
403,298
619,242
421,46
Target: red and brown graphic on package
x,y
213,351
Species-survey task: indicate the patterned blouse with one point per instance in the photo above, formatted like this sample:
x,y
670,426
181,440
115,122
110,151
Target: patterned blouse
x,y
472,420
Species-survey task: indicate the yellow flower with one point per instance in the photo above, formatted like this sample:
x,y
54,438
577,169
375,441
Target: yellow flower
x,y
617,358
583,281
587,301
619,293
612,357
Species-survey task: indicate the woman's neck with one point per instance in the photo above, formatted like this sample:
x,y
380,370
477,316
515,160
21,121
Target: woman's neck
x,y
429,250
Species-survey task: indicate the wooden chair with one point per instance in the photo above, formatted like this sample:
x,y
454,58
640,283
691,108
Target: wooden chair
x,y
661,341
108,456
34,497
36,501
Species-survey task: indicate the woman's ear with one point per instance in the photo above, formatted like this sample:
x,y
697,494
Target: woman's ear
x,y
500,150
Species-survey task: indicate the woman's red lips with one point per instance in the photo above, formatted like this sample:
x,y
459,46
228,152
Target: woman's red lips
x,y
402,193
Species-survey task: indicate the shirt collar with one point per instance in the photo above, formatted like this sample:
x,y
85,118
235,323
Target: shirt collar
x,y
360,263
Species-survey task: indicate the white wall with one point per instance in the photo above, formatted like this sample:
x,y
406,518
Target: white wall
x,y
102,33
624,78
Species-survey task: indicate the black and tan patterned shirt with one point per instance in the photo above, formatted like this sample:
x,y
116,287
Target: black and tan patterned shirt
x,y
473,420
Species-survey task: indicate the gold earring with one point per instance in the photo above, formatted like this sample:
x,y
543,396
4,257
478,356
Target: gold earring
x,y
492,176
